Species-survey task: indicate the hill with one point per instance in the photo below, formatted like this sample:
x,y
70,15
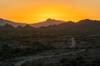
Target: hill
x,y
4,22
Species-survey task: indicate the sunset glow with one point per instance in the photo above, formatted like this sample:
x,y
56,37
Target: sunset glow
x,y
33,11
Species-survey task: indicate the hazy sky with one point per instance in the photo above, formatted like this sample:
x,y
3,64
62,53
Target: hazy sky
x,y
31,11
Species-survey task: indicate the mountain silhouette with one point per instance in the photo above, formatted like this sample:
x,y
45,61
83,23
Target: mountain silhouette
x,y
48,22
4,22
82,26
85,24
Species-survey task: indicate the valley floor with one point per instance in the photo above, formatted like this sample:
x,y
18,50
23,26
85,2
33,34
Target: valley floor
x,y
55,57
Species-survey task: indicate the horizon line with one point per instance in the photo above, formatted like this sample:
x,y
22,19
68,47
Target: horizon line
x,y
21,22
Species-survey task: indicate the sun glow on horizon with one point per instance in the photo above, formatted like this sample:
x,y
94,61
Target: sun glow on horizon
x,y
33,11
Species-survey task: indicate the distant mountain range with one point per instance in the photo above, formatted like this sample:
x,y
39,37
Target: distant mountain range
x,y
48,22
86,23
4,22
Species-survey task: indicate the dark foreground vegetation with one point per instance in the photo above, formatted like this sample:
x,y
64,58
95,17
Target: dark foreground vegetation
x,y
23,41
78,61
28,41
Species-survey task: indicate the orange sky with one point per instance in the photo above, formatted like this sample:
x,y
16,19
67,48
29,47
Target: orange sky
x,y
32,11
